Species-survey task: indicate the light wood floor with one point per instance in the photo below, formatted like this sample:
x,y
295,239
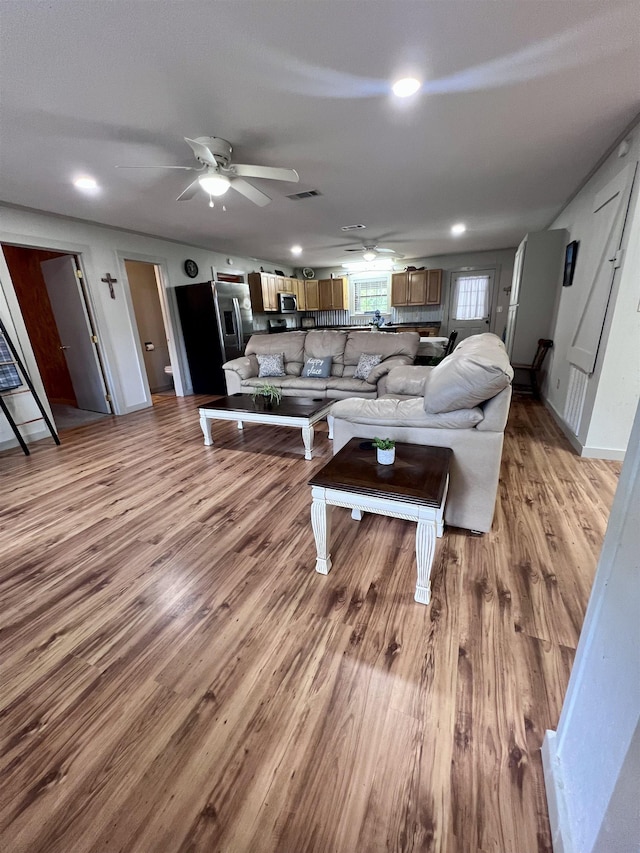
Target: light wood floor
x,y
176,677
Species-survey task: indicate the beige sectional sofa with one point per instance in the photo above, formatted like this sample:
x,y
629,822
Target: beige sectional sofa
x,y
344,347
462,403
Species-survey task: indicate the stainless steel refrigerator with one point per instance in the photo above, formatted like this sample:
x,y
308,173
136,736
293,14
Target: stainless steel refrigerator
x,y
216,322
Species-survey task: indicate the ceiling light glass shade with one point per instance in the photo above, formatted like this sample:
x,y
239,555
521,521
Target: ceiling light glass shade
x,y
214,184
460,228
85,183
369,255
406,87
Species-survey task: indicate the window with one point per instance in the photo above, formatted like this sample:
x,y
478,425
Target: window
x,y
472,297
370,292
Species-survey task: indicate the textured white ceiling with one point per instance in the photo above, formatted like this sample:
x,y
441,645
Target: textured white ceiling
x,y
520,100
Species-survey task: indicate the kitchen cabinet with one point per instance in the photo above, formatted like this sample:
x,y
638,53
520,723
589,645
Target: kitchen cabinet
x,y
333,294
416,287
264,291
311,295
300,292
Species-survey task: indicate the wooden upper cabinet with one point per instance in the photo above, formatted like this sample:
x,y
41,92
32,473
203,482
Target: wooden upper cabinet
x,y
399,282
299,290
333,294
264,292
416,287
311,295
434,287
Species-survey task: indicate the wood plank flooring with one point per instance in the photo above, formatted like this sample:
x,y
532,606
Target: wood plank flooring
x,y
175,676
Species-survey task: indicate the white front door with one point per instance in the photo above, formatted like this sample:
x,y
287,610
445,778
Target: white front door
x,y
471,297
74,329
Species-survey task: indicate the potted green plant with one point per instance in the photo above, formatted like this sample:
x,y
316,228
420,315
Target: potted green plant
x,y
385,450
268,394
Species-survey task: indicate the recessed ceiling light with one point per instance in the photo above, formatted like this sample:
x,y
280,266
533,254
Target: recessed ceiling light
x,y
406,87
85,183
296,250
459,228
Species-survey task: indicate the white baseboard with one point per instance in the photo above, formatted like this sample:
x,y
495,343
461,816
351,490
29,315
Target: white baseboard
x,y
603,453
38,435
582,449
554,786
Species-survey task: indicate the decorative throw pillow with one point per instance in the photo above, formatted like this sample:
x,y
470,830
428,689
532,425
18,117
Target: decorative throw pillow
x,y
271,365
366,364
318,368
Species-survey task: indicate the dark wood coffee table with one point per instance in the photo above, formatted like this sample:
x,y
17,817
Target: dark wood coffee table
x,y
413,488
302,412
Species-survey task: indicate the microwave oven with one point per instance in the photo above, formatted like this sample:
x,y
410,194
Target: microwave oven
x,y
287,303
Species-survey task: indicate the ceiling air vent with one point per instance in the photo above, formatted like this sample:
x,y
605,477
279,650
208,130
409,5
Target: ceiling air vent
x,y
352,227
305,194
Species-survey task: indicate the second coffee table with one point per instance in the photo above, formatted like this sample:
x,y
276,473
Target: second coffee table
x,y
413,488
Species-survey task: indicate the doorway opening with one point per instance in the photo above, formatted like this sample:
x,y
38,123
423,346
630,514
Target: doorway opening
x,y
145,285
57,315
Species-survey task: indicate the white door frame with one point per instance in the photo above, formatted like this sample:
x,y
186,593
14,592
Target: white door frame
x,y
494,270
169,318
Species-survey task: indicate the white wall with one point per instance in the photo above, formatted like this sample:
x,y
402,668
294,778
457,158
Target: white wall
x,y
613,389
592,762
102,250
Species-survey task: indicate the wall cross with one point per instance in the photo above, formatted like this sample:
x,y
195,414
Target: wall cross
x,y
110,281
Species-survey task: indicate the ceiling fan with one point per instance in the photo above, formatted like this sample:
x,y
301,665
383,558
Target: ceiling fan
x,y
218,173
370,251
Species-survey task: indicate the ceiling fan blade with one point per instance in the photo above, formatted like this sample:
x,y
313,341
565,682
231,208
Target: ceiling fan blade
x,y
389,252
190,191
186,168
272,173
201,151
250,192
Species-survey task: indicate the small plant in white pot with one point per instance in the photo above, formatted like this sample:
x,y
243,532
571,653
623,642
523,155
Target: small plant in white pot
x,y
385,450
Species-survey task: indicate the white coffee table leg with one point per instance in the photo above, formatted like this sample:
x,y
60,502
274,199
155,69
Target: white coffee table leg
x,y
356,514
205,424
425,550
240,425
321,522
307,437
330,425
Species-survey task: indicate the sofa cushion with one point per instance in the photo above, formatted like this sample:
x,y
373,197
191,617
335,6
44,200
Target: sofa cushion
x,y
289,343
318,368
345,383
322,342
385,344
366,363
470,375
388,411
302,383
271,364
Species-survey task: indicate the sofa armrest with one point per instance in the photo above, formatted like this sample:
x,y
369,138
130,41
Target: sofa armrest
x,y
246,366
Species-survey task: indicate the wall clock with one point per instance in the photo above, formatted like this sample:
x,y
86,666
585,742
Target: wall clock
x,y
191,268
307,272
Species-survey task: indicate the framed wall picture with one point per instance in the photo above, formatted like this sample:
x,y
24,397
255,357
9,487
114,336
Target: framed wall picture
x,y
570,255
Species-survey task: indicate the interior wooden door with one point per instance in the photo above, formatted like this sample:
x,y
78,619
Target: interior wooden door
x,y
74,328
26,275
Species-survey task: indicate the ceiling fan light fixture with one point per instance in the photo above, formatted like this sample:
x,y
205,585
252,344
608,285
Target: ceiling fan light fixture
x,y
369,255
214,184
405,87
